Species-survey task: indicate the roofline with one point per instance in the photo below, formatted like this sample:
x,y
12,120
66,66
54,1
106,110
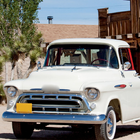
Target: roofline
x,y
111,42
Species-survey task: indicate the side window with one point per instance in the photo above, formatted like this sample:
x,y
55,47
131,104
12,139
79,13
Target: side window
x,y
124,57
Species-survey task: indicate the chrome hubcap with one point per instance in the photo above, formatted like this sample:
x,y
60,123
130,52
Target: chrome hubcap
x,y
111,124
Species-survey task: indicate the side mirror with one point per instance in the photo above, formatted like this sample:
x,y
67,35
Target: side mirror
x,y
38,65
127,65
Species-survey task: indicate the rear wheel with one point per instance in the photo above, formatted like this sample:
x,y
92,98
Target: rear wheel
x,y
22,129
107,130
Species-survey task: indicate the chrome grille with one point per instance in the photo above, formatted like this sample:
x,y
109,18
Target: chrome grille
x,y
55,103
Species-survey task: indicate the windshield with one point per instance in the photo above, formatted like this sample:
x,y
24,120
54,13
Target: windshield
x,y
81,55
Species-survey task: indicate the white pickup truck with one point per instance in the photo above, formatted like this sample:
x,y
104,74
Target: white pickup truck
x,y
83,82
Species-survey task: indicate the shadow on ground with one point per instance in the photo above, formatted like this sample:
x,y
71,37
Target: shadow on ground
x,y
122,131
125,130
7,136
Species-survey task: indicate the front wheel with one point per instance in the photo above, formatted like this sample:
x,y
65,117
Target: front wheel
x,y
22,129
107,130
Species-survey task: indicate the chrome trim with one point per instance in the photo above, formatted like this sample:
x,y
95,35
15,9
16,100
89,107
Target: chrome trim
x,y
119,86
82,104
6,91
86,93
59,92
49,118
64,89
127,65
111,124
122,74
136,74
40,89
36,89
38,65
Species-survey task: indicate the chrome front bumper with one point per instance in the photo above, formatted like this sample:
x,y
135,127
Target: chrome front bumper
x,y
54,118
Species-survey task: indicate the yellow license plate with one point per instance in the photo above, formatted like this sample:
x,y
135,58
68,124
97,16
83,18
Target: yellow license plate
x,y
24,108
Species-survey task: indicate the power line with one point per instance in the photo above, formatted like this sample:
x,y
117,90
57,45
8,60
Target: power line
x,y
82,7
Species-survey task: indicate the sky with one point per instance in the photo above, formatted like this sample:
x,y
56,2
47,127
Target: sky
x,y
83,12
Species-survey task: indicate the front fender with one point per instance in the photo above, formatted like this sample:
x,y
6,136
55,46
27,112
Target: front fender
x,y
104,86
15,83
108,92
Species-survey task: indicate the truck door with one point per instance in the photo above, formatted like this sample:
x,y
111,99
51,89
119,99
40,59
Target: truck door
x,y
131,96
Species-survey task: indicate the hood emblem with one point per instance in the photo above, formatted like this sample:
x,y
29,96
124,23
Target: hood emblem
x,y
73,69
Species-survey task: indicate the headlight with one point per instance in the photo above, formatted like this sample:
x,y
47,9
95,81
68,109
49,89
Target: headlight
x,y
92,94
11,91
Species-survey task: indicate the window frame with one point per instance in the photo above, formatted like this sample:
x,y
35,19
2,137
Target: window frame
x,y
129,57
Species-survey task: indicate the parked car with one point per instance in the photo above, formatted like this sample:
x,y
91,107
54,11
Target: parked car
x,y
83,82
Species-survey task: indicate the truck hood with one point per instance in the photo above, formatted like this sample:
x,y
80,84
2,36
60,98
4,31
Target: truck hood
x,y
65,78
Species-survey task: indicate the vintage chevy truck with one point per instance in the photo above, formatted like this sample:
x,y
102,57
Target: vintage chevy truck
x,y
83,82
